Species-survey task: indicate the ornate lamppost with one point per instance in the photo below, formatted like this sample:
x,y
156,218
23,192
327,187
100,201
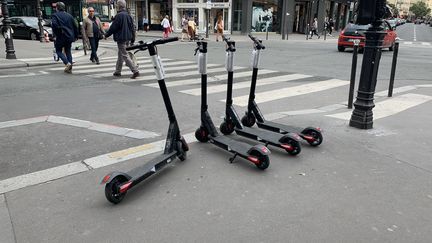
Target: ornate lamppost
x,y
39,15
369,12
6,31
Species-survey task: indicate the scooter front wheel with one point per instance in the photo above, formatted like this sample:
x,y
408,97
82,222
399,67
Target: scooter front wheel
x,y
248,120
112,190
226,128
181,152
201,134
292,146
264,160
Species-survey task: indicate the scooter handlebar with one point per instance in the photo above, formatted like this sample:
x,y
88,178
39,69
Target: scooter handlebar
x,y
143,45
230,44
257,42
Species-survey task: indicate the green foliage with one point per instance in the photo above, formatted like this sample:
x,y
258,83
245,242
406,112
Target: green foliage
x,y
394,9
420,9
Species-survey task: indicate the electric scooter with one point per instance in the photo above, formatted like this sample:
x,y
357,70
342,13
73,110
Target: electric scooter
x,y
258,154
289,142
118,183
312,135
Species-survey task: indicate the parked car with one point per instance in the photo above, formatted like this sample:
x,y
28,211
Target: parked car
x,y
28,28
353,32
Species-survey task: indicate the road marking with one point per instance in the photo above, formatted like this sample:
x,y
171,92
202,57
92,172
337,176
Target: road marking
x,y
397,90
290,91
426,43
391,106
209,79
171,75
149,69
38,177
415,34
6,228
105,128
19,75
93,66
103,72
263,81
21,122
110,129
408,42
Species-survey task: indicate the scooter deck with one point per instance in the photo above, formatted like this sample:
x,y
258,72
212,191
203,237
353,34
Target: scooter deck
x,y
149,168
260,135
231,145
277,127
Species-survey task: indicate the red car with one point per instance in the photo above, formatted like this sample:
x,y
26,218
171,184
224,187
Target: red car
x,y
353,32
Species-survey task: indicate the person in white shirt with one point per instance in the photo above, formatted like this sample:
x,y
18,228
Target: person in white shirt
x,y
166,26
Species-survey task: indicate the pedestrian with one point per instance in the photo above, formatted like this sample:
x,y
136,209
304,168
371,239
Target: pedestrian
x,y
191,28
330,26
145,23
123,29
184,25
314,29
66,32
219,27
166,26
92,32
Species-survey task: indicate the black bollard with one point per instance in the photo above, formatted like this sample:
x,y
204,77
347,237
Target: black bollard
x,y
393,69
353,74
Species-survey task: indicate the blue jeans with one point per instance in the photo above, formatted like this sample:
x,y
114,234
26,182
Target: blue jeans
x,y
67,49
94,44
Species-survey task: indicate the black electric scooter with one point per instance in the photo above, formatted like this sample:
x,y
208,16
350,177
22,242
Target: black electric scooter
x,y
289,142
313,135
258,154
118,183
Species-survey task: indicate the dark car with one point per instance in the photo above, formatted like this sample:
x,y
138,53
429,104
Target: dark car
x,y
28,28
356,32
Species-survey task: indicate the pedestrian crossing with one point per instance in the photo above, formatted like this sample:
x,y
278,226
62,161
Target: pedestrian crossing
x,y
416,43
183,77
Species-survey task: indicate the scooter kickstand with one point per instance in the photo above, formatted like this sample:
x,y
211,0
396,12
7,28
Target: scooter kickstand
x,y
231,160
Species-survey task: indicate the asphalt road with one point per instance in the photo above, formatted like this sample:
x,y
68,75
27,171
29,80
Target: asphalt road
x,y
60,134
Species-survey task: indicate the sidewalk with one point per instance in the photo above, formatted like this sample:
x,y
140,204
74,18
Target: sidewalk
x,y
32,53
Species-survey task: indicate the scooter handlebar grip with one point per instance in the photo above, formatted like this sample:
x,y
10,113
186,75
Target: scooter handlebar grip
x,y
164,41
134,47
257,42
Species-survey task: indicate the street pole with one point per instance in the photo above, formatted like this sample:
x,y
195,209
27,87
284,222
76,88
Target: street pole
x,y
353,74
393,69
372,12
208,7
7,31
39,14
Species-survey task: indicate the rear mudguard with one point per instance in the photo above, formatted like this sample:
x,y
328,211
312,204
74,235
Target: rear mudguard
x,y
263,150
108,178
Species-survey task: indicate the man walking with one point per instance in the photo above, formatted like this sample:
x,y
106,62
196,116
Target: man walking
x,y
123,29
314,30
92,31
66,32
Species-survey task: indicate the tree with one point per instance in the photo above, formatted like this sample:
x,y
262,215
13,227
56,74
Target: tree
x,y
394,9
420,9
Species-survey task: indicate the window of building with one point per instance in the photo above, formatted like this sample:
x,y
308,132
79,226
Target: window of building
x,y
264,15
237,15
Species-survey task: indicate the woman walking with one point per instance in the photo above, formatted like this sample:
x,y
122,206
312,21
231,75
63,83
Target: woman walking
x,y
219,28
184,25
166,26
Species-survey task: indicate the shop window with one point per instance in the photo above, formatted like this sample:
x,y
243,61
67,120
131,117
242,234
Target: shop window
x,y
264,16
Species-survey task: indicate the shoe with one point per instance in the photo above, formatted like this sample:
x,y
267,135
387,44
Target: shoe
x,y
97,61
319,37
116,74
68,68
135,75
92,60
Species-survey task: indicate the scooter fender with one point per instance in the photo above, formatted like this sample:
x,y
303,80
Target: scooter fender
x,y
312,128
108,178
292,136
261,149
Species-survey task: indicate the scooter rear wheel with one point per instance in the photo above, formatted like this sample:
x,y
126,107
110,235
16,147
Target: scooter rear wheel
x,y
317,135
295,146
264,160
112,192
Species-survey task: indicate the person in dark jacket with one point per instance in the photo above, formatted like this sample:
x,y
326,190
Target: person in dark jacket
x,y
123,29
66,32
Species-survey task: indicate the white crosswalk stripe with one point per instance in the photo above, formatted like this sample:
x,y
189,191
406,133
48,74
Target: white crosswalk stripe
x,y
391,106
290,91
246,84
209,79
